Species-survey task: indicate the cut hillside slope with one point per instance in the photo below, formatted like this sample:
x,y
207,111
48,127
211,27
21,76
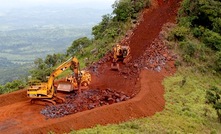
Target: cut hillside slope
x,y
142,85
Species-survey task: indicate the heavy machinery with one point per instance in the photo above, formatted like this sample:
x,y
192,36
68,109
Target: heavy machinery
x,y
75,83
121,53
48,92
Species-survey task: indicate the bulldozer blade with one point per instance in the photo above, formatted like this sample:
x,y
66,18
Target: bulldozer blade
x,y
127,59
115,67
65,86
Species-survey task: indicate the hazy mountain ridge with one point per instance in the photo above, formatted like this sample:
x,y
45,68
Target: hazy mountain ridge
x,y
5,62
30,33
40,16
37,42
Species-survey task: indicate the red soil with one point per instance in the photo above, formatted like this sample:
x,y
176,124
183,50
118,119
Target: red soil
x,y
19,116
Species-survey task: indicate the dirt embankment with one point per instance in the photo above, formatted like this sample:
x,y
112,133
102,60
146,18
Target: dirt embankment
x,y
140,79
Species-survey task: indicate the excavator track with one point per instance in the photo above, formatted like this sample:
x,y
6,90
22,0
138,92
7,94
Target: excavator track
x,y
43,101
54,101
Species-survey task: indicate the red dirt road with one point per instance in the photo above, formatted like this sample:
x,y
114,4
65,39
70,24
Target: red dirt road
x,y
17,115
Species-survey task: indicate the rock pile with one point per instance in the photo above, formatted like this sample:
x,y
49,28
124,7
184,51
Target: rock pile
x,y
86,100
156,56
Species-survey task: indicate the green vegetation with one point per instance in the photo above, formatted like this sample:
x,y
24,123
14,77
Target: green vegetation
x,y
78,45
12,86
213,96
198,33
43,68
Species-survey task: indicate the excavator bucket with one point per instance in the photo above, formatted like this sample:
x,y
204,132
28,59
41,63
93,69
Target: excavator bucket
x,y
115,66
65,86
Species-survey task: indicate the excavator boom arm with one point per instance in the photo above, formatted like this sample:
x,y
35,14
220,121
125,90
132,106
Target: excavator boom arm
x,y
72,62
46,90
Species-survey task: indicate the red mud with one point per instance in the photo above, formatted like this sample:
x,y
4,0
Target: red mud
x,y
19,116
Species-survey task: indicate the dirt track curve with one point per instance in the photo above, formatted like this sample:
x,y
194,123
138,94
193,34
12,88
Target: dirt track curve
x,y
140,79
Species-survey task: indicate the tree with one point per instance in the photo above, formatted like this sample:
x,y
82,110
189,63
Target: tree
x,y
128,9
98,30
123,10
41,70
1,89
77,45
60,58
213,96
201,13
51,60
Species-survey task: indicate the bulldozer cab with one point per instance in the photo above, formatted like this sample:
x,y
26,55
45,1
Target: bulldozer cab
x,y
125,51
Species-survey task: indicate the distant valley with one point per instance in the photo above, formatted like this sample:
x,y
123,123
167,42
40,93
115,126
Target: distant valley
x,y
24,45
30,33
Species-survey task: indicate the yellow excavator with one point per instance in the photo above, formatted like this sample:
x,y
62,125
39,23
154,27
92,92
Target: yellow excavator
x,y
48,92
121,53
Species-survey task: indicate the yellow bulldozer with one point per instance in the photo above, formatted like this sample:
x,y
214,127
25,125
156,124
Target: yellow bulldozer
x,y
48,91
120,53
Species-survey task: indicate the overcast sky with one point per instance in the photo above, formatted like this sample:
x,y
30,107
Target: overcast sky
x,y
101,4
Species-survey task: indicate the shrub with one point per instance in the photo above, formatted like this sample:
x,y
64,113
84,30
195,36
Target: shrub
x,y
217,25
177,63
12,86
212,40
1,89
198,31
188,47
186,58
218,61
213,96
179,33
